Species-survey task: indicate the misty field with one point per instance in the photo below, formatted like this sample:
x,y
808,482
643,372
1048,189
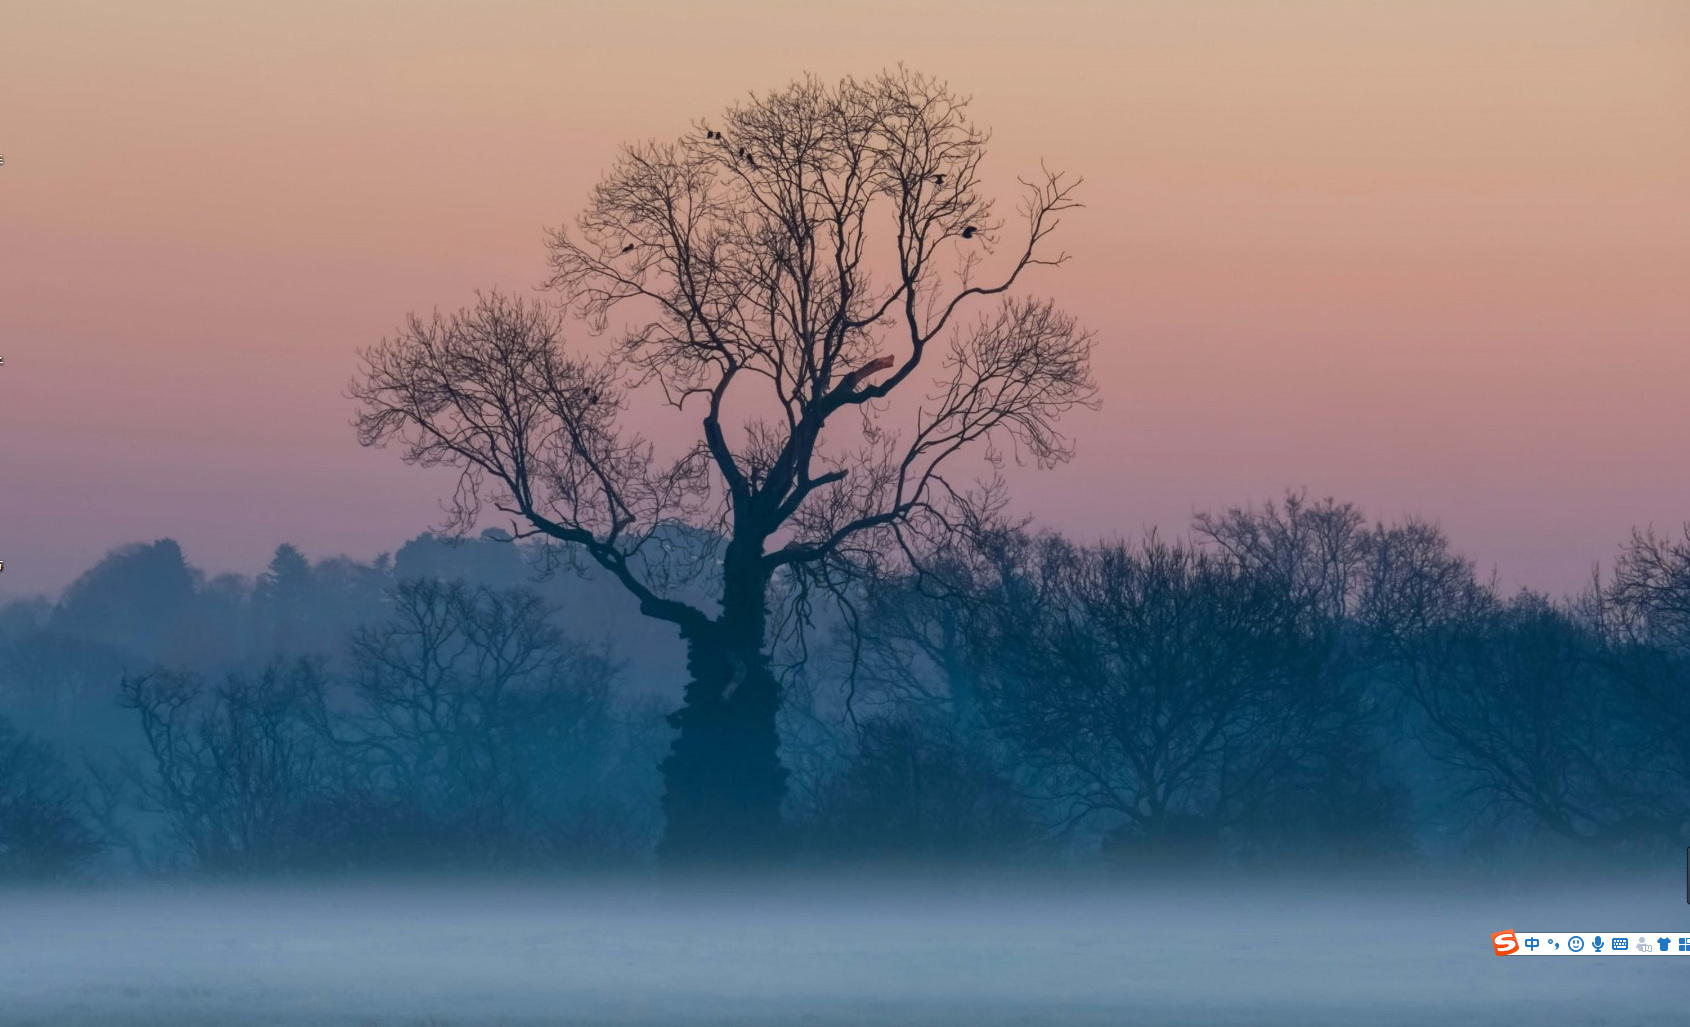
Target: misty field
x,y
930,952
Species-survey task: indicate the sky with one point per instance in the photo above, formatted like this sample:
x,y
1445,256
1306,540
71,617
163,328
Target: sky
x,y
1432,257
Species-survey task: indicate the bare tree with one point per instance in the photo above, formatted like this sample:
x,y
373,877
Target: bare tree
x,y
475,707
1518,704
780,274
906,639
234,769
1160,688
1645,613
1649,594
1317,551
45,830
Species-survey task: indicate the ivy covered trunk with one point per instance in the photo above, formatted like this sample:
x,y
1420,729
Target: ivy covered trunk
x,y
723,780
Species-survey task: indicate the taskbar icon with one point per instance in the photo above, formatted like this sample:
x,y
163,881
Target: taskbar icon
x,y
1590,943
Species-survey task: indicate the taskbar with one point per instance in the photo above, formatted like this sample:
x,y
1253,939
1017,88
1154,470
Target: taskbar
x,y
1590,943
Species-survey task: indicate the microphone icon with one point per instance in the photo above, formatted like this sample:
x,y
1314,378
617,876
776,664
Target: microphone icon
x,y
1596,943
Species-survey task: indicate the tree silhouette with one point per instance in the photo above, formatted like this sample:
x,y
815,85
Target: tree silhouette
x,y
1645,612
135,598
475,705
1161,689
781,277
1519,708
283,596
44,830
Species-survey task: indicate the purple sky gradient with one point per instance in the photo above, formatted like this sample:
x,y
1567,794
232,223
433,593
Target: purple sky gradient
x,y
1432,257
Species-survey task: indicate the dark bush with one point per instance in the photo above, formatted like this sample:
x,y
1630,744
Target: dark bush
x,y
44,830
915,789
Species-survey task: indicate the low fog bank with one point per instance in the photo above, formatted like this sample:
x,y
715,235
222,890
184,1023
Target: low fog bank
x,y
1287,684
965,950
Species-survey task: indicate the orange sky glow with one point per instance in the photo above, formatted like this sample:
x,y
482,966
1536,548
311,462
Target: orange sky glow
x,y
1433,257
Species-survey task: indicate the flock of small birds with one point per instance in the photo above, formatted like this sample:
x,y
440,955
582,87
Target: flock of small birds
x,y
968,231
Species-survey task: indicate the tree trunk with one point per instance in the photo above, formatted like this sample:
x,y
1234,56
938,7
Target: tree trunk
x,y
723,780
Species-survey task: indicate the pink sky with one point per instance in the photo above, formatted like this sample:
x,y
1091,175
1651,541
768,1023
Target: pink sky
x,y
1430,256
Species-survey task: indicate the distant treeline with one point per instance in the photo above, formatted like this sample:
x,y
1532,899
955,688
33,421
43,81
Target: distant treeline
x,y
1287,681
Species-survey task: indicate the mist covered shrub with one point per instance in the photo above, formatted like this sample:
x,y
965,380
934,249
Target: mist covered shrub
x,y
44,827
469,731
911,788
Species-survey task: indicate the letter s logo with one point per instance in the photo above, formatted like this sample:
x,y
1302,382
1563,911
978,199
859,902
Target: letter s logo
x,y
1505,943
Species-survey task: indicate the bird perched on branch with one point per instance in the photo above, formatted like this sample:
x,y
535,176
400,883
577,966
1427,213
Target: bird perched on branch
x,y
938,179
968,232
628,248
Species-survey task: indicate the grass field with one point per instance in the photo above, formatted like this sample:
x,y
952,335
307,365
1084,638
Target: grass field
x,y
971,953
